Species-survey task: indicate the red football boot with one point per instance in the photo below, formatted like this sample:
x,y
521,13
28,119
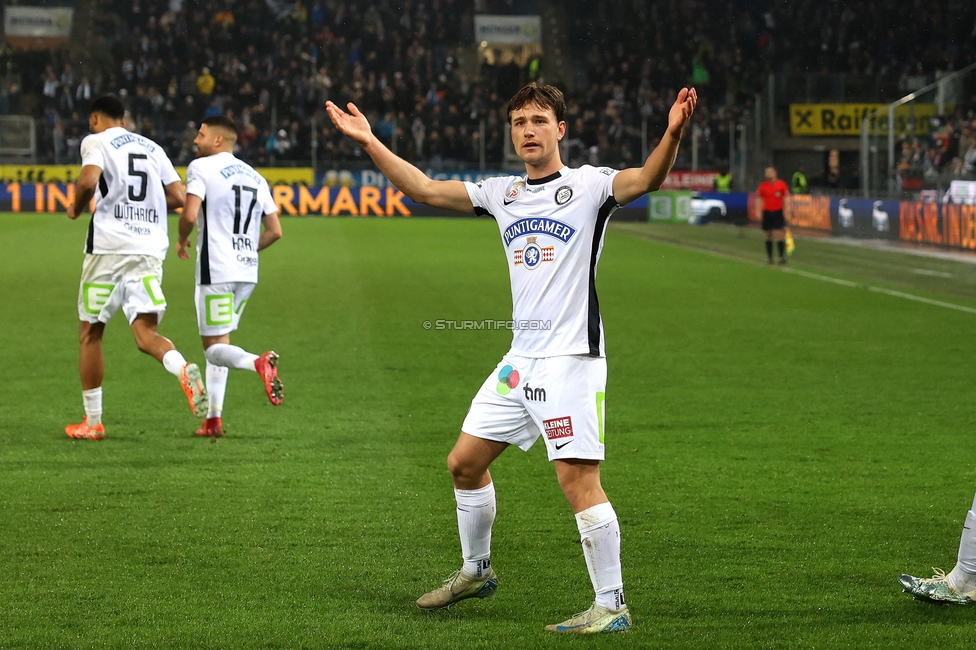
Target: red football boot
x,y
267,367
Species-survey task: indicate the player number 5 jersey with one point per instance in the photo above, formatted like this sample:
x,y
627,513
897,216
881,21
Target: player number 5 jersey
x,y
235,199
130,202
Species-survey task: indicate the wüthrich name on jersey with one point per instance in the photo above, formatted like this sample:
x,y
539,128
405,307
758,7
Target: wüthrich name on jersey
x,y
136,213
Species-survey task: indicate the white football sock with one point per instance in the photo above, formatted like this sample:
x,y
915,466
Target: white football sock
x,y
963,577
216,387
93,405
600,535
231,356
173,361
476,514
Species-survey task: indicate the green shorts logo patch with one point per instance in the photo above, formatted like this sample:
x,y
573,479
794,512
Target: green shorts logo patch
x,y
601,398
220,309
154,290
95,296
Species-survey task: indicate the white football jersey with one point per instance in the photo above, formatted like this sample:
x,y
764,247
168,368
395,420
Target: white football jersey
x,y
235,199
130,202
552,229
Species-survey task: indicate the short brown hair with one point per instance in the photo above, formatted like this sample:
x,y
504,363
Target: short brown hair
x,y
548,97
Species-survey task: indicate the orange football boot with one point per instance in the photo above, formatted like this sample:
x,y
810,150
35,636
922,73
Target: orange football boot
x,y
196,391
84,432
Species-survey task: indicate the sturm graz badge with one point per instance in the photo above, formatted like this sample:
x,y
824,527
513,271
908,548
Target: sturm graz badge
x,y
564,194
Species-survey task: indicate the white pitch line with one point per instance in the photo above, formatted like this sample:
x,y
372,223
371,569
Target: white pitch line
x,y
887,292
807,274
927,301
825,278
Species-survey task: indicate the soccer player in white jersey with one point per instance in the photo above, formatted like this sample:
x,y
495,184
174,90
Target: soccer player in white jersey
x,y
231,202
552,381
958,587
124,252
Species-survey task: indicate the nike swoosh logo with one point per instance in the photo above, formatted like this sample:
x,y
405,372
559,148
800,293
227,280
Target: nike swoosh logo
x,y
508,202
558,446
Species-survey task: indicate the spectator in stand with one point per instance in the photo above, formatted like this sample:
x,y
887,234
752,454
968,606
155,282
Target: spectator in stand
x,y
398,57
206,82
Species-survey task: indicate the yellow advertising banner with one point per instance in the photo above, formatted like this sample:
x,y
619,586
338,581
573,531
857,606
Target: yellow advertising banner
x,y
69,174
845,119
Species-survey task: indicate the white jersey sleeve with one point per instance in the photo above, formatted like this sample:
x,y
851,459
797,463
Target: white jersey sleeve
x,y
167,172
268,206
196,180
485,194
91,152
598,182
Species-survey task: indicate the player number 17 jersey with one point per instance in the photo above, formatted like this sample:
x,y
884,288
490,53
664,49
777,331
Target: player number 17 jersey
x,y
235,198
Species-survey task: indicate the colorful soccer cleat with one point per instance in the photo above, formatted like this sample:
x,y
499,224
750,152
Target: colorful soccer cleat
x,y
267,367
457,588
595,620
84,432
196,391
211,428
935,590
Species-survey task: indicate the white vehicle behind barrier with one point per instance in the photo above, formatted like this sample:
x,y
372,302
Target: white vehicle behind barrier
x,y
706,210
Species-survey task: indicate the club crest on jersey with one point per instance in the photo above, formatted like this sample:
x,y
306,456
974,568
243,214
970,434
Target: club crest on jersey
x,y
532,255
564,194
513,192
538,226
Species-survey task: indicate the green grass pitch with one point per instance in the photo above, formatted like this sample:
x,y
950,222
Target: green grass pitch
x,y
779,449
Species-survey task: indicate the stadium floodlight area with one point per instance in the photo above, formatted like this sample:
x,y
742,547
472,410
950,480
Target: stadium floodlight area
x,y
896,138
18,136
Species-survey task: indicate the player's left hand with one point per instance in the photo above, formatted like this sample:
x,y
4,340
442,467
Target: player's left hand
x,y
181,247
71,212
681,112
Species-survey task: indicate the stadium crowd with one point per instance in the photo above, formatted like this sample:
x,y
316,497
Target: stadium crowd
x,y
271,64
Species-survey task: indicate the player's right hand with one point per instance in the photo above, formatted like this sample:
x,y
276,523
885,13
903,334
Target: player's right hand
x,y
352,124
181,247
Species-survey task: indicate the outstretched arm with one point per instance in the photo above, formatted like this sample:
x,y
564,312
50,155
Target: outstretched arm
x,y
634,182
447,195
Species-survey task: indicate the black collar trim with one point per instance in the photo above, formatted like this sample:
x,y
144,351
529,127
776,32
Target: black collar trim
x,y
545,179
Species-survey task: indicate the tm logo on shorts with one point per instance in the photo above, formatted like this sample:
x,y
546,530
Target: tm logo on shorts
x,y
557,428
508,378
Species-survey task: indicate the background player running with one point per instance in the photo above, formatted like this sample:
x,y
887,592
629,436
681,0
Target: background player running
x,y
231,201
552,381
124,252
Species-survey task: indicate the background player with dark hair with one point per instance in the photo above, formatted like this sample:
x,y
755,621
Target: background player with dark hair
x,y
124,252
232,201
